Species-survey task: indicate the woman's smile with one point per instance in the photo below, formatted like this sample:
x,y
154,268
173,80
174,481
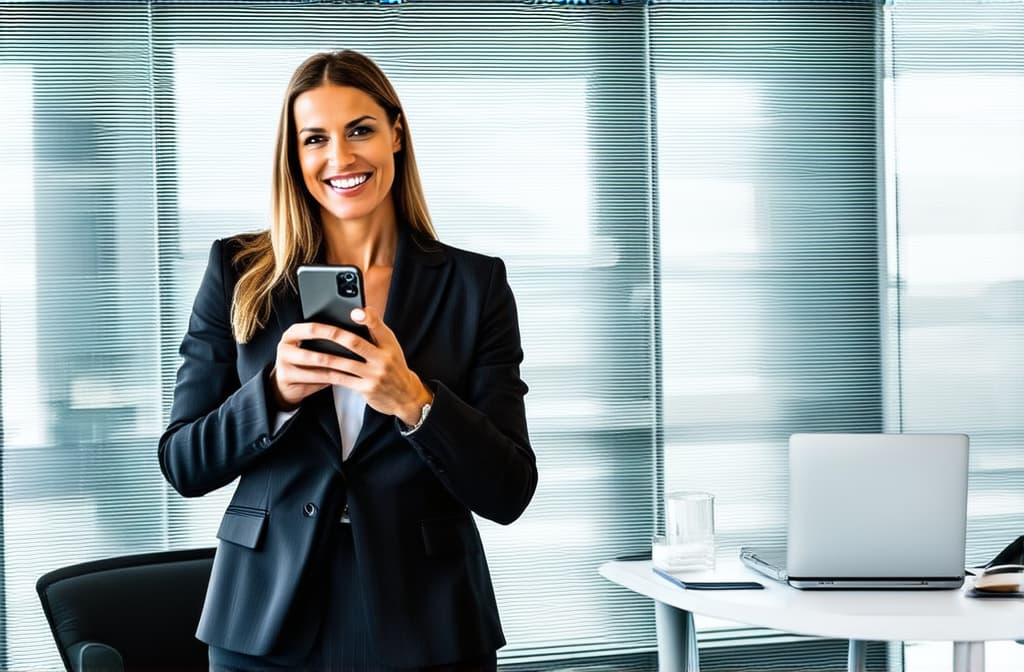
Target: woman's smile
x,y
348,185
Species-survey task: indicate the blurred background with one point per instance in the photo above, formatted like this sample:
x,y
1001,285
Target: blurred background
x,y
724,222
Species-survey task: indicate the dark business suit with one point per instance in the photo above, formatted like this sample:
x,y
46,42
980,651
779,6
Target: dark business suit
x,y
429,598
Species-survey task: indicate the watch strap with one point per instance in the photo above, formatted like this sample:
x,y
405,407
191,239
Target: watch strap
x,y
424,412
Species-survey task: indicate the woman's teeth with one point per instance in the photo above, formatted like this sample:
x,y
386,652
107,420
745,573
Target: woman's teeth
x,y
348,182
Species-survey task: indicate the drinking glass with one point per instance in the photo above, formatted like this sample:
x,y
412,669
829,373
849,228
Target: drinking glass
x,y
690,532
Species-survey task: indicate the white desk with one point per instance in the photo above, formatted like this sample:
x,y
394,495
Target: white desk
x,y
859,616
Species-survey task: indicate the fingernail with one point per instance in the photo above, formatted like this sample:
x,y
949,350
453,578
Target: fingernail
x,y
358,314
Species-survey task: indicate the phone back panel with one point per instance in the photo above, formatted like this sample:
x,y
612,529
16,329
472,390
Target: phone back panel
x,y
329,294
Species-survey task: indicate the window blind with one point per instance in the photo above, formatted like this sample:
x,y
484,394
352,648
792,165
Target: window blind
x,y
78,298
708,246
506,176
768,193
144,131
956,275
958,114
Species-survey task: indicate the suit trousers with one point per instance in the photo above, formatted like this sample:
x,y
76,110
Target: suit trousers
x,y
344,642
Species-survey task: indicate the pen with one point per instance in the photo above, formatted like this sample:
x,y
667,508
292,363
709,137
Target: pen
x,y
708,585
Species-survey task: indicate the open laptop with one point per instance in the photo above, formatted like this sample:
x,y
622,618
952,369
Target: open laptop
x,y
872,511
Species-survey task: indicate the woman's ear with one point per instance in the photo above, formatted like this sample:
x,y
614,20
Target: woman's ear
x,y
397,133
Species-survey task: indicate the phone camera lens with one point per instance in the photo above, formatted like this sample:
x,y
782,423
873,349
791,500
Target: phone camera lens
x,y
348,284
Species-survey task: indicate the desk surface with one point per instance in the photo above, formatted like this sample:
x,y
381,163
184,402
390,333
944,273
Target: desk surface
x,y
936,615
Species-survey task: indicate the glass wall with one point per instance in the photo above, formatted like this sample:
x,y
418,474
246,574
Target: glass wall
x,y
723,222
955,80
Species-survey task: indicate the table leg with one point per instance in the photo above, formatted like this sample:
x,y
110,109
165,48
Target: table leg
x,y
857,656
677,639
968,656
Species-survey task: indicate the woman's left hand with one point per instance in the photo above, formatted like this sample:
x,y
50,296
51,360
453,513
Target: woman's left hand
x,y
384,379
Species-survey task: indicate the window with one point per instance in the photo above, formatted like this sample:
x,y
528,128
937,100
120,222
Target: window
x,y
81,391
183,157
768,198
723,222
956,82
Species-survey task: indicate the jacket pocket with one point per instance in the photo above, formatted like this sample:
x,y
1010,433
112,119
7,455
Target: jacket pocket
x,y
243,525
452,535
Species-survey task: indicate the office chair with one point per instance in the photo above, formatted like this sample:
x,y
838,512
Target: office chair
x,y
136,612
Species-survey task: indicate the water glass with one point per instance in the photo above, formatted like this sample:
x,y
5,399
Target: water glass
x,y
689,543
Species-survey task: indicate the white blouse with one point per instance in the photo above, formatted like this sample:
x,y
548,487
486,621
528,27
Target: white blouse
x,y
349,406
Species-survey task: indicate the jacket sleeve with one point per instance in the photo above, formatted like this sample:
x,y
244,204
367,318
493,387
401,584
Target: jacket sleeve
x,y
479,446
218,425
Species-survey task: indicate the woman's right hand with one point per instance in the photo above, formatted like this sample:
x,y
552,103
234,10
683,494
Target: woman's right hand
x,y
299,372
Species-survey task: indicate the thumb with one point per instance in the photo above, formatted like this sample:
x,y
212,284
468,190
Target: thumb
x,y
372,320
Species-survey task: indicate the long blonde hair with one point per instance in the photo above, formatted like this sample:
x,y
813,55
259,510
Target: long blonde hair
x,y
268,260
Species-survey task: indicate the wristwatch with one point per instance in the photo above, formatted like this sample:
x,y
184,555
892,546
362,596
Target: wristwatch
x,y
419,423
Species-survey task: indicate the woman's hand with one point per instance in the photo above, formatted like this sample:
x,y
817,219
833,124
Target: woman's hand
x,y
384,379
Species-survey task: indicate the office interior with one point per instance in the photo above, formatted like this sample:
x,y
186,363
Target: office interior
x,y
724,222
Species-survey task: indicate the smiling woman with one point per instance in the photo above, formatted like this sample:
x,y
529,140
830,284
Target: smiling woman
x,y
383,459
347,144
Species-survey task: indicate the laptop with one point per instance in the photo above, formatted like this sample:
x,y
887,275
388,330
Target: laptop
x,y
872,511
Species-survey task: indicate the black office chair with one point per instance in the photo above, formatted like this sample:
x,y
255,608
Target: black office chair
x,y
136,612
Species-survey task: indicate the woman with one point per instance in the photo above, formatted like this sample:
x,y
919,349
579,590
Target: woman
x,y
349,542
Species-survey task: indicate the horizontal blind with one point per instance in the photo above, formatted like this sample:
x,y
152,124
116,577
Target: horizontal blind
x,y
140,132
81,394
767,183
123,152
503,176
956,130
957,79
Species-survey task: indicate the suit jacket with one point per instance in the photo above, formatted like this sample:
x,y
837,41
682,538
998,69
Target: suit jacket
x,y
418,551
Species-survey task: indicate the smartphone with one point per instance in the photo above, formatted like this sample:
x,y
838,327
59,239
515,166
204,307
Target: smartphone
x,y
328,294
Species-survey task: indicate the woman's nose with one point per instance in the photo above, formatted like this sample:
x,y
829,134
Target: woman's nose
x,y
339,154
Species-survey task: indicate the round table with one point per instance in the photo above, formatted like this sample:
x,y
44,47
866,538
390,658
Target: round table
x,y
855,615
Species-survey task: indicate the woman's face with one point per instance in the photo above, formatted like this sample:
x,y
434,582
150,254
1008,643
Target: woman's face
x,y
346,150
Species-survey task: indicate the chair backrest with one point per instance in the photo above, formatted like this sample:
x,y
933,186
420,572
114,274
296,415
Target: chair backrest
x,y
145,606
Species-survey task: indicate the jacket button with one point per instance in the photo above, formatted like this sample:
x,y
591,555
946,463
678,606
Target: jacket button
x,y
309,510
264,441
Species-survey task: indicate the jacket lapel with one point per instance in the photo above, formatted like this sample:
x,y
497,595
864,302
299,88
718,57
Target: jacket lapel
x,y
415,299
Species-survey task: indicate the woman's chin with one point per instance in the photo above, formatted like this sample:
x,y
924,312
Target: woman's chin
x,y
345,214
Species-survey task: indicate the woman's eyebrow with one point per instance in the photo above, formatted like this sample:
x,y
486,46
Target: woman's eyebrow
x,y
356,122
348,126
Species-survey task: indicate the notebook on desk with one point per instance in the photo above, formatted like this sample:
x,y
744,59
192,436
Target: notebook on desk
x,y
872,511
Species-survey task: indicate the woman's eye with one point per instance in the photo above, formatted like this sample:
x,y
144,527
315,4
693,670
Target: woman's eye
x,y
360,131
313,139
